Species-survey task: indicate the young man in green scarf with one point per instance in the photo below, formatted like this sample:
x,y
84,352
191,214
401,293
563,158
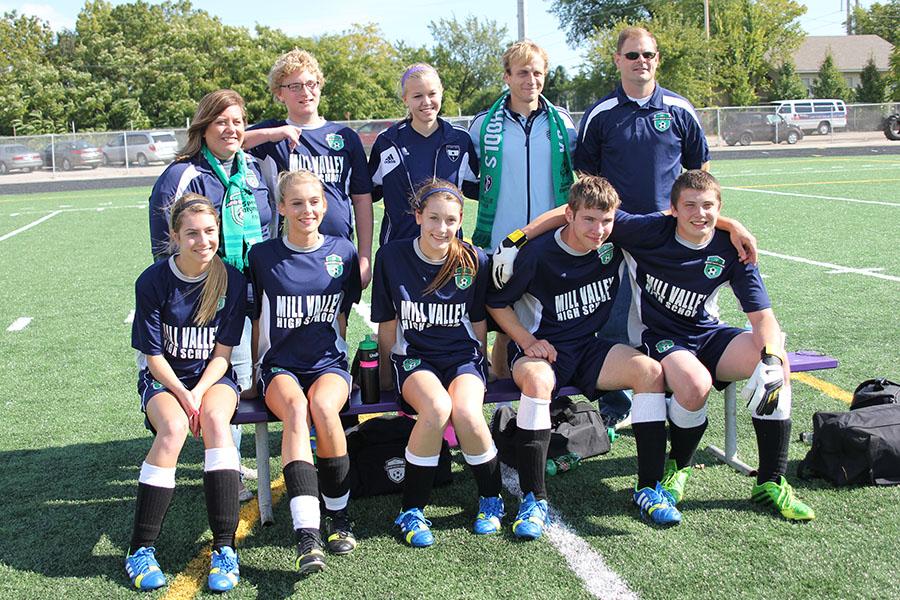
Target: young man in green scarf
x,y
524,144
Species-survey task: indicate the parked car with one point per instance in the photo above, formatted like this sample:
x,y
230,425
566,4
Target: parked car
x,y
746,128
818,115
143,148
891,127
369,131
67,155
17,157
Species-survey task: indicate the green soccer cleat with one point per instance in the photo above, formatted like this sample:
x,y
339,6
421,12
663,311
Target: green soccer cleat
x,y
781,497
674,479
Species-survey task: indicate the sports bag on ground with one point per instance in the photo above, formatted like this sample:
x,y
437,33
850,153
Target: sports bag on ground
x,y
874,392
575,427
859,446
377,450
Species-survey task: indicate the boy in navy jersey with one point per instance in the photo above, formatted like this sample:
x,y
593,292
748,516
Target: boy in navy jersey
x,y
675,288
556,300
308,141
189,314
305,284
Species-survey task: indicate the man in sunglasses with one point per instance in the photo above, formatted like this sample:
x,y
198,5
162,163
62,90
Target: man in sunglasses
x,y
639,137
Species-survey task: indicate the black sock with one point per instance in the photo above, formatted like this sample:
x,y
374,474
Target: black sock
x,y
417,484
222,505
772,440
149,512
531,458
300,479
334,481
650,438
685,442
487,477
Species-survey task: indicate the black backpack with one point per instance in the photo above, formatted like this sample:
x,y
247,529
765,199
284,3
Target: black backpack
x,y
862,445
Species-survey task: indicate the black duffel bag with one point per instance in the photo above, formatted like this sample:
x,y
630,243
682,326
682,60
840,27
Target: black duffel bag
x,y
377,450
875,392
575,427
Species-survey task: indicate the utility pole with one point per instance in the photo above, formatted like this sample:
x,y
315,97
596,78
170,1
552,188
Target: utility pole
x,y
522,14
849,23
706,17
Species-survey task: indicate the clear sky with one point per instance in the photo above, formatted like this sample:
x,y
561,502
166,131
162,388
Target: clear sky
x,y
407,21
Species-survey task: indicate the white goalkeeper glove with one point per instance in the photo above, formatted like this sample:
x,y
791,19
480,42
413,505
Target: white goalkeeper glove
x,y
763,388
504,256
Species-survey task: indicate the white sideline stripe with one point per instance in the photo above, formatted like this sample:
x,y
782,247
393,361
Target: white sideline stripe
x,y
130,318
804,170
364,311
19,324
748,189
65,206
599,580
871,272
90,208
29,226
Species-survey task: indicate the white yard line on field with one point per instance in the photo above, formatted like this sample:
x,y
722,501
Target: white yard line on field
x,y
89,208
836,269
815,196
19,324
130,318
29,226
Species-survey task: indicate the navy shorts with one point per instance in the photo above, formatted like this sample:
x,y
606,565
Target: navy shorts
x,y
305,379
708,347
446,372
148,387
578,362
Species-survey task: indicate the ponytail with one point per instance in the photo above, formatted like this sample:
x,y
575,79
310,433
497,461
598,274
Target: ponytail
x,y
459,257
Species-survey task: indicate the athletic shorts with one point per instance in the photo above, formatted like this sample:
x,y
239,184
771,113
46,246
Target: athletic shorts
x,y
148,387
708,347
305,379
446,372
578,362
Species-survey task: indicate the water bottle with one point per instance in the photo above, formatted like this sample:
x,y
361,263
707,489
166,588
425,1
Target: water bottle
x,y
567,462
369,387
807,438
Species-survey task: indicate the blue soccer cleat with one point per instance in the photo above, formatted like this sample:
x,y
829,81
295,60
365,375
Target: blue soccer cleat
x,y
224,572
414,528
532,517
143,570
490,511
657,505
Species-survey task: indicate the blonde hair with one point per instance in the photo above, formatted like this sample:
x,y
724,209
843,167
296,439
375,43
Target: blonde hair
x,y
216,283
460,255
593,191
288,179
418,71
209,108
633,32
523,52
291,62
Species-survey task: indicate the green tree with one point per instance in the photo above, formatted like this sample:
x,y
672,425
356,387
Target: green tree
x,y
893,83
786,84
872,86
583,18
829,82
558,86
879,19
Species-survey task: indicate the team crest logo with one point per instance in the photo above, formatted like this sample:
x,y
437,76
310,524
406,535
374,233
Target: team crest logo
x,y
334,265
453,152
664,345
395,469
662,121
235,206
713,267
220,304
276,370
335,141
251,178
606,253
411,363
156,385
463,277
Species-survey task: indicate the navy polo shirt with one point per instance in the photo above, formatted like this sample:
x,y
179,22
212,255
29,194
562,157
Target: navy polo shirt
x,y
641,149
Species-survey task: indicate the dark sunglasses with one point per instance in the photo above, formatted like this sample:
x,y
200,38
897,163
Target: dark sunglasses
x,y
636,55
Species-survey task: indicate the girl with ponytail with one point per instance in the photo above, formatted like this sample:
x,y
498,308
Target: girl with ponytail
x,y
189,314
428,297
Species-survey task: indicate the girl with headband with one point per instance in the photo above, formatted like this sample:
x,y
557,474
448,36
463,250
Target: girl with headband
x,y
429,300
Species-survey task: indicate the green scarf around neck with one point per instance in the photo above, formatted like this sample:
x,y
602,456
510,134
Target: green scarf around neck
x,y
240,215
492,165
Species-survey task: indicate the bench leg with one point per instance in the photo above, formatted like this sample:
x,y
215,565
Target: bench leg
x,y
264,481
729,456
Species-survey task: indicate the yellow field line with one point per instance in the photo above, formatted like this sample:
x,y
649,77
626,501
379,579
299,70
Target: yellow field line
x,y
773,185
823,386
193,578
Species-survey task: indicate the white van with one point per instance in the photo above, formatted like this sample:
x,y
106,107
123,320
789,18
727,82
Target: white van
x,y
814,114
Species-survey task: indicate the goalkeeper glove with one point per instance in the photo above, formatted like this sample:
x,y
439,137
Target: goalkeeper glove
x,y
764,386
504,256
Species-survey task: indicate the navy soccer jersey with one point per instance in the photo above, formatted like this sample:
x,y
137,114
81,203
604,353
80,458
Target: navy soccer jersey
x,y
559,294
195,175
435,326
331,151
676,284
299,295
165,303
641,149
402,160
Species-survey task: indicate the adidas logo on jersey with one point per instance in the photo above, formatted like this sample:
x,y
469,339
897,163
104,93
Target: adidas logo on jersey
x,y
390,160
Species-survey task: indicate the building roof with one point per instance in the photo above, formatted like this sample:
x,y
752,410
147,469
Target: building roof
x,y
850,52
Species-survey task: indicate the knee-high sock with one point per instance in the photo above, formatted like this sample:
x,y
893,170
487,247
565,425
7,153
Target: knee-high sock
x,y
221,481
156,485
